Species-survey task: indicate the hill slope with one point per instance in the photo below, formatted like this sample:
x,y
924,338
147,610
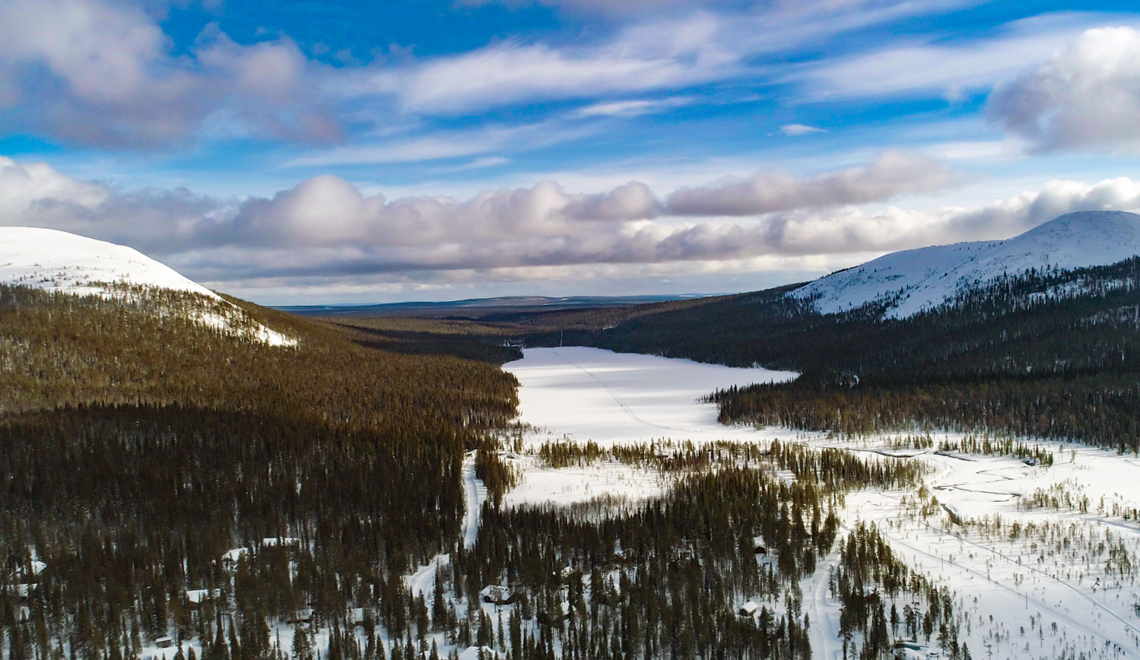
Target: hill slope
x,y
927,277
60,262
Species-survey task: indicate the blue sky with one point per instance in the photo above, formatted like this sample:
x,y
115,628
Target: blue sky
x,y
305,152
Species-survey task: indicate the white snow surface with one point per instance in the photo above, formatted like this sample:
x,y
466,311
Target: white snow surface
x,y
589,394
61,262
58,261
931,276
607,397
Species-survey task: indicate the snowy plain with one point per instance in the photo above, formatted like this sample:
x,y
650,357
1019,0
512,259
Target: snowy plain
x,y
1010,587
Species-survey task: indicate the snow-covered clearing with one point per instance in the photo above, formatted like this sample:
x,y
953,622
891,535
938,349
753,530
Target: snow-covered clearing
x,y
587,394
1061,581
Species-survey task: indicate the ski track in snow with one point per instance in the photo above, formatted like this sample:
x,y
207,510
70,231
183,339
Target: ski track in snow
x,y
824,629
475,493
423,580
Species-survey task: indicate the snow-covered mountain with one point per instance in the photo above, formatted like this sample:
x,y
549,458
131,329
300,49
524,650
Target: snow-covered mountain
x,y
58,261
928,277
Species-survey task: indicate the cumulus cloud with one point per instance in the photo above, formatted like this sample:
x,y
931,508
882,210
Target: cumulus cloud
x,y
893,173
1086,96
102,73
327,228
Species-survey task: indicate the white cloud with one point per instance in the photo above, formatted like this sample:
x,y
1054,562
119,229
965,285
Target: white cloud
x,y
629,108
891,174
102,73
607,7
476,164
1085,96
795,130
444,145
661,55
655,54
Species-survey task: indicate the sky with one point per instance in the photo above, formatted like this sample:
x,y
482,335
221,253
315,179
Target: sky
x,y
348,152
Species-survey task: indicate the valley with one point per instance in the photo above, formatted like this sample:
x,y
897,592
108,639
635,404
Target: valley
x,y
188,475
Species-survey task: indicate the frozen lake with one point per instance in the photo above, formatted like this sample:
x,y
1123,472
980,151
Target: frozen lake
x,y
607,397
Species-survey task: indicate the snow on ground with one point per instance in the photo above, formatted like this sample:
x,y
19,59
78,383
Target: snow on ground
x,y
933,275
475,494
583,483
57,261
611,398
589,394
1054,568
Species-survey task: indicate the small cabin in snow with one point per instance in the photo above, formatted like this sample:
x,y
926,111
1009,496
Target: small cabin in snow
x,y
356,616
749,609
497,595
758,546
164,642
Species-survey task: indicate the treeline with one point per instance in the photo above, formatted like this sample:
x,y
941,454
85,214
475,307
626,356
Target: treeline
x,y
1046,353
835,469
61,350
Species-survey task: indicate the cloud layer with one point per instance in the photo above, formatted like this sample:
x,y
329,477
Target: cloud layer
x,y
325,228
893,173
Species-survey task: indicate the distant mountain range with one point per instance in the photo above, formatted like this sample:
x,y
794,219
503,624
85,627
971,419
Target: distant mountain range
x,y
505,302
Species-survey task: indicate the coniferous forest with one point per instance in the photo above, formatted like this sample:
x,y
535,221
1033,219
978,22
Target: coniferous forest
x,y
164,482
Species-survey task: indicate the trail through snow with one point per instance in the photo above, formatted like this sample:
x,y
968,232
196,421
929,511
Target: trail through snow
x,y
475,493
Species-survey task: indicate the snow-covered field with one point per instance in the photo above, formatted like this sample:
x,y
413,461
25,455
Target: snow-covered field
x,y
1061,581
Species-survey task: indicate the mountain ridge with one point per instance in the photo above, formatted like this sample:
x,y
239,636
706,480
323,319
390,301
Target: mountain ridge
x,y
61,262
912,281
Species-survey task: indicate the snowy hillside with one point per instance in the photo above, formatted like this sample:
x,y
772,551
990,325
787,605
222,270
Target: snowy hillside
x,y
57,261
930,276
